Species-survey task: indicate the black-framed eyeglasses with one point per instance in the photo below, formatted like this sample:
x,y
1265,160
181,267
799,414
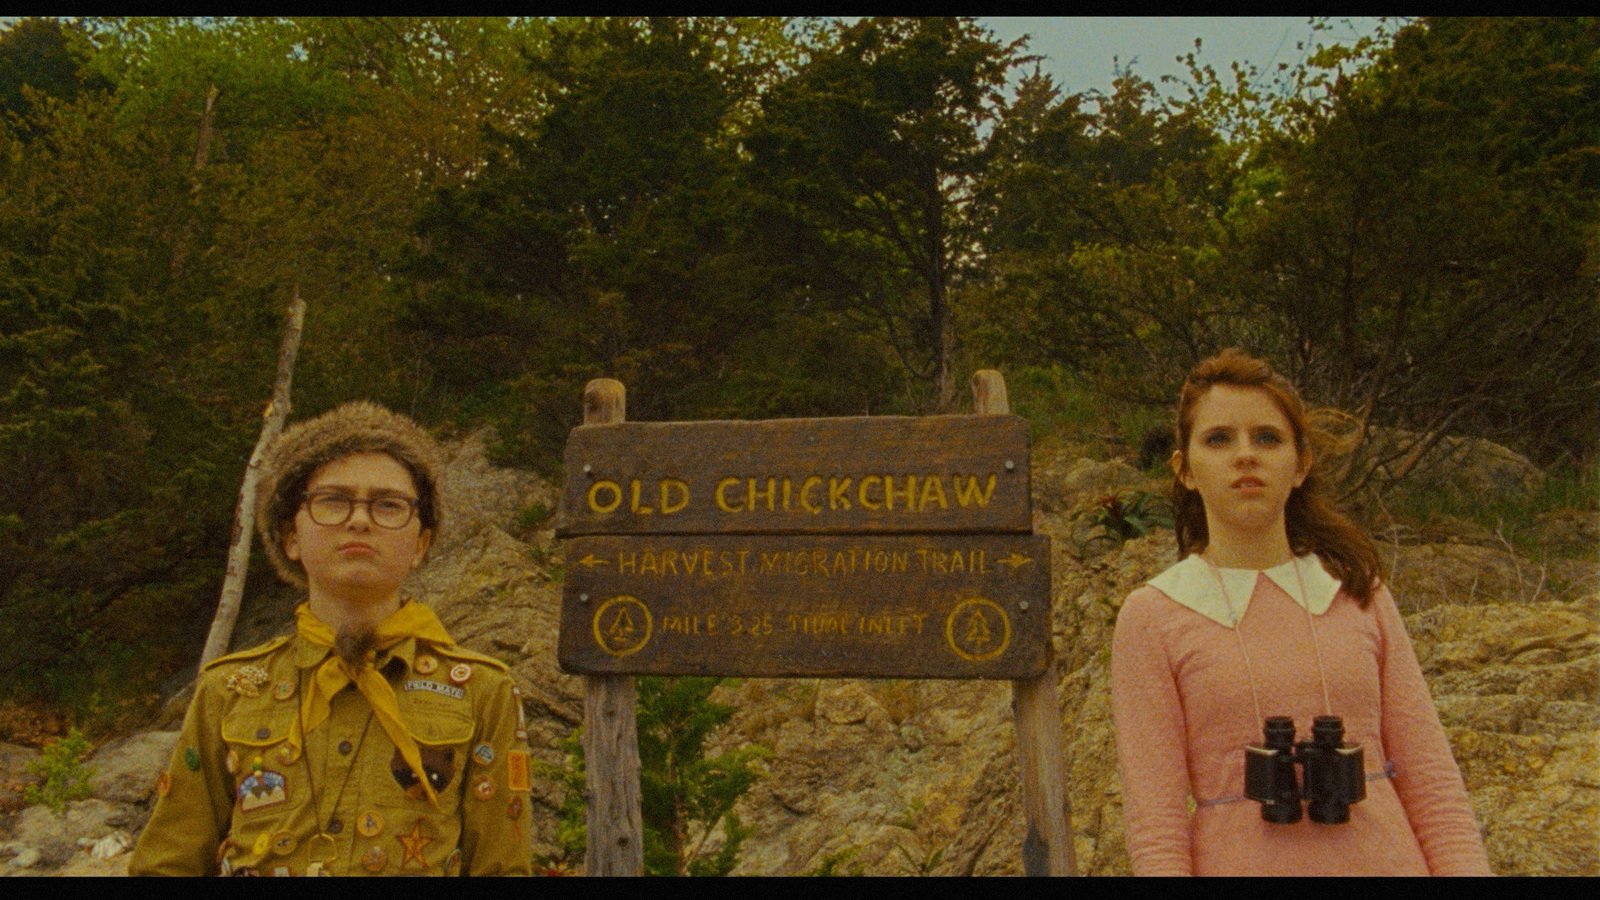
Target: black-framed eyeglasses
x,y
388,511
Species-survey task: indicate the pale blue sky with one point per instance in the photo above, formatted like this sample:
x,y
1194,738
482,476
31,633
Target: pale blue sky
x,y
1080,50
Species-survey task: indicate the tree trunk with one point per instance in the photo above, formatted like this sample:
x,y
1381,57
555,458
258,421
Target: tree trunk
x,y
202,147
244,514
202,155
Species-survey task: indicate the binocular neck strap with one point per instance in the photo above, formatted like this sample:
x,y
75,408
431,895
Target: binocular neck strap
x,y
1249,670
1316,646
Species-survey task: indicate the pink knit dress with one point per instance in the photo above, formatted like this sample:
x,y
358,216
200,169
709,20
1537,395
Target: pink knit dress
x,y
1183,709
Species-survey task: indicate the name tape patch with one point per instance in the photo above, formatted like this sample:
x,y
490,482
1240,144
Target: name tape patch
x,y
434,686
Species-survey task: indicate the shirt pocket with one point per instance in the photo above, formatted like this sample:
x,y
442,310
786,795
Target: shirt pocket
x,y
443,728
258,760
420,837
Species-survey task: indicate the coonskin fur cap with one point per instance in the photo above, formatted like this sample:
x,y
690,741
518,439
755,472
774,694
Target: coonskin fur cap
x,y
357,427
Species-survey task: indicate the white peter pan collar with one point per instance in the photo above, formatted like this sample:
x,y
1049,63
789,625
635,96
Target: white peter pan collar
x,y
1193,583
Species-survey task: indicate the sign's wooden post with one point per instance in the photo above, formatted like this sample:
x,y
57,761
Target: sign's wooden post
x,y
1040,754
610,734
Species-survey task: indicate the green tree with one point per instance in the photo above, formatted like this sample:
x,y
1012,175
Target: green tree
x,y
1103,244
603,238
42,59
1433,235
872,156
687,793
150,236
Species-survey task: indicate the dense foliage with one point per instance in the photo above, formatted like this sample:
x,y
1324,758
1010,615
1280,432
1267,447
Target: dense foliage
x,y
738,218
687,793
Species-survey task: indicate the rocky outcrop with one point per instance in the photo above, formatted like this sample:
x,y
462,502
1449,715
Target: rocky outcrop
x,y
1463,465
125,771
908,777
1516,688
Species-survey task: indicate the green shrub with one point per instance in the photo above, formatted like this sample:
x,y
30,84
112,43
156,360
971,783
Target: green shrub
x,y
1121,517
66,778
1514,519
531,517
837,864
687,796
1051,399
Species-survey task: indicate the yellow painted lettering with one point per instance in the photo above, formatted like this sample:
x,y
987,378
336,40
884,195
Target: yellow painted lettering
x,y
626,562
970,494
726,558
940,562
910,493
957,562
819,561
648,564
805,493
690,560
668,486
771,563
932,492
637,509
669,562
786,493
599,506
897,562
772,486
836,493
722,501
861,494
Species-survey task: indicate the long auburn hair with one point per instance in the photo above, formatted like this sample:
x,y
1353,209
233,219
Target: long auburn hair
x,y
1314,523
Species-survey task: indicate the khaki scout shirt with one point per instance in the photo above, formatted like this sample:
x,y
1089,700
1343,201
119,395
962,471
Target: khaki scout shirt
x,y
236,799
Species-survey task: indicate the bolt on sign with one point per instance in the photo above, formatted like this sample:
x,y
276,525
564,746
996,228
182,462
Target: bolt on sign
x,y
886,546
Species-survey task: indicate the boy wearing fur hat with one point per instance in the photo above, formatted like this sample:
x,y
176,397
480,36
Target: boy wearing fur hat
x,y
368,742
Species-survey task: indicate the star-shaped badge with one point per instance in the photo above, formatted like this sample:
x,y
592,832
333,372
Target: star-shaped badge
x,y
413,844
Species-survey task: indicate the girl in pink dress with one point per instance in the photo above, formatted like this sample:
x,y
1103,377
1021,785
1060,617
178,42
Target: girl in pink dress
x,y
1277,610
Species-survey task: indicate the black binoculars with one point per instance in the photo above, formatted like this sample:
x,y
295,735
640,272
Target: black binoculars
x,y
1334,778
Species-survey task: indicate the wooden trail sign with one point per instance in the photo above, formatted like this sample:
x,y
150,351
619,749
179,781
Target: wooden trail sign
x,y
858,547
814,476
922,606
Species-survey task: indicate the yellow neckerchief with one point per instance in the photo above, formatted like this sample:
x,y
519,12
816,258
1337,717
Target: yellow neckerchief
x,y
411,620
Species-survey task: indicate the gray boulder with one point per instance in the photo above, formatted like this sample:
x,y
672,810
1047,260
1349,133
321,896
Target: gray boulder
x,y
38,826
126,771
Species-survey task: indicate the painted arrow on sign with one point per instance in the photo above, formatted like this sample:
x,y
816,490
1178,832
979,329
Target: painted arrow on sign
x,y
1015,560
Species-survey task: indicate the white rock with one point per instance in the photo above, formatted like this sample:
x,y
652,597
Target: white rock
x,y
109,846
26,858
